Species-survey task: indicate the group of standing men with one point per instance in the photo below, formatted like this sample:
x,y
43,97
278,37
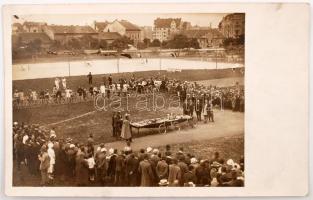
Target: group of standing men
x,y
196,105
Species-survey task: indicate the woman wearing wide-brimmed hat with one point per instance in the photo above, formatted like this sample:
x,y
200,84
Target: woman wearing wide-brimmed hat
x,y
126,129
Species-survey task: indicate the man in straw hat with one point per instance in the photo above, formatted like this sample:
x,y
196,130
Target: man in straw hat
x,y
163,183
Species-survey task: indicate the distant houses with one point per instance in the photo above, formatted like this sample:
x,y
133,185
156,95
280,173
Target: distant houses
x,y
166,28
163,30
99,26
125,28
206,37
65,33
109,37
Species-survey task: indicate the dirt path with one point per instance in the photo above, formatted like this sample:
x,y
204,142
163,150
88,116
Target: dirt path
x,y
227,123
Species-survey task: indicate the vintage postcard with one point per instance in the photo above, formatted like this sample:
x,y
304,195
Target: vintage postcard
x,y
156,99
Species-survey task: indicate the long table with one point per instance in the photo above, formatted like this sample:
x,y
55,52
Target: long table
x,y
162,123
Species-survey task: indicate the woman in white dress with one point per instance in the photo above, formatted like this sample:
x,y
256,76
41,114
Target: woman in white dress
x,y
51,155
126,129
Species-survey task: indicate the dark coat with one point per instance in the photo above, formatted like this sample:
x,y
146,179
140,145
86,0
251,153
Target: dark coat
x,y
131,169
112,165
174,173
162,169
146,173
81,169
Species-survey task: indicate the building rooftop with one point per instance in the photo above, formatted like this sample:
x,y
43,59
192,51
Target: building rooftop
x,y
26,23
101,25
59,29
109,35
202,32
166,23
27,37
129,26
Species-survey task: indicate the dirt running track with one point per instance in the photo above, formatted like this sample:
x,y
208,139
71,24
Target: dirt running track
x,y
227,123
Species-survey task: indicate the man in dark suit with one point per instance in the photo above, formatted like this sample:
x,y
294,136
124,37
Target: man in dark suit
x,y
131,165
112,166
186,108
120,169
114,125
191,106
210,111
198,109
118,124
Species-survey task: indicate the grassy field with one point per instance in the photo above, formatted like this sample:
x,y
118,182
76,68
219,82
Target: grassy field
x,y
99,123
75,81
228,147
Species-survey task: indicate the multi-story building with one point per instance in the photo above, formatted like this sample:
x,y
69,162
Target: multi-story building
x,y
125,28
165,28
146,32
233,25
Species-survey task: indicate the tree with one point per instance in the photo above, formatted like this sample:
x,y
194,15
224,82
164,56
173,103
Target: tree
x,y
35,45
74,44
155,43
178,42
241,39
147,42
228,42
55,45
165,44
89,42
103,44
193,43
121,43
141,45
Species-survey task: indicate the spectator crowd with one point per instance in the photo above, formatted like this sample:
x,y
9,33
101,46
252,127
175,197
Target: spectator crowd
x,y
226,97
38,152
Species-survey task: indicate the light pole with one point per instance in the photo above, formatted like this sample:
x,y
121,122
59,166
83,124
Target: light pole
x,y
160,64
69,67
215,59
118,63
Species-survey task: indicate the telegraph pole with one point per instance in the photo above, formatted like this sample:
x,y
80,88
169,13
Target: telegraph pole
x,y
118,63
69,67
215,59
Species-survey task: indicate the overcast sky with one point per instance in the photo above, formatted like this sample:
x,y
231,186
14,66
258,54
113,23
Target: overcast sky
x,y
202,19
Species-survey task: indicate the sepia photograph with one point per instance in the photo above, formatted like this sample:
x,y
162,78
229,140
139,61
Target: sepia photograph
x,y
156,99
128,100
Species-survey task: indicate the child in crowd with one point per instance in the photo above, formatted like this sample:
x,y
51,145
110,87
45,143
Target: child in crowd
x,y
91,166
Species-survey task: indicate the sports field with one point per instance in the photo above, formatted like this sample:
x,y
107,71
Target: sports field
x,y
79,119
